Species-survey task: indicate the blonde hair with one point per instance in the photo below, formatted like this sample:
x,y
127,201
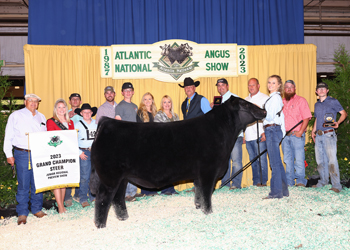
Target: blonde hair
x,y
142,111
55,109
161,103
279,80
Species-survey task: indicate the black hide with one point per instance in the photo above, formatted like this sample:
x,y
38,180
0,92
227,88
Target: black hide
x,y
154,155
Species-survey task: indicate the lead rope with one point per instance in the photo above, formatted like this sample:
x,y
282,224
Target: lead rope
x,y
250,163
258,141
29,165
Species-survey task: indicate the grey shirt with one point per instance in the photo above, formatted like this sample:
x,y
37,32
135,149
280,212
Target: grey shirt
x,y
127,111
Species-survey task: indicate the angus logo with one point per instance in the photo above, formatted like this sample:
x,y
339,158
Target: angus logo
x,y
176,60
55,141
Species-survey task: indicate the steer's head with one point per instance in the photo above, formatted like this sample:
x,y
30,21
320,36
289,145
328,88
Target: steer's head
x,y
247,112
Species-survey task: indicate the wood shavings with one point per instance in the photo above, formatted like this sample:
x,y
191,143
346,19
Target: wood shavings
x,y
310,218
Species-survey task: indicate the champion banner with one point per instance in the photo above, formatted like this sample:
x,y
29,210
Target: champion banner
x,y
55,159
173,60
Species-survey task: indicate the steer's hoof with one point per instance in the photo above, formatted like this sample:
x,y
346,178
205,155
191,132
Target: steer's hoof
x,y
123,217
100,225
198,206
207,211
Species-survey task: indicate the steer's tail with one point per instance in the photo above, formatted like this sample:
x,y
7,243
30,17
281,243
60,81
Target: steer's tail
x,y
94,179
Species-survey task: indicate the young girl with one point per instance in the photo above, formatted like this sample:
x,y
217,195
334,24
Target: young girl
x,y
274,132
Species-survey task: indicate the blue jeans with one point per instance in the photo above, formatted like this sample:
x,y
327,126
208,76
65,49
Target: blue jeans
x,y
252,147
326,158
85,171
294,158
236,157
168,190
130,190
26,184
278,182
68,195
147,192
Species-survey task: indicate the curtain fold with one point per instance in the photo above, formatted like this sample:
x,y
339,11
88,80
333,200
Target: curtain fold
x,y
54,72
107,22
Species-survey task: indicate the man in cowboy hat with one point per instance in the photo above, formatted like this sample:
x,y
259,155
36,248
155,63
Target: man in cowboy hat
x,y
20,123
86,135
194,105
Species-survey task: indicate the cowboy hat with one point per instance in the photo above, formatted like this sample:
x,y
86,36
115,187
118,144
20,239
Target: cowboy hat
x,y
86,106
189,81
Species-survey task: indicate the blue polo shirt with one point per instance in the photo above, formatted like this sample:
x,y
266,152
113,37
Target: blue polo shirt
x,y
329,105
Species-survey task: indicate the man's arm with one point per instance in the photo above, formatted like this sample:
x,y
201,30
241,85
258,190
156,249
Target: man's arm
x,y
302,128
205,105
11,161
313,133
342,117
118,114
9,136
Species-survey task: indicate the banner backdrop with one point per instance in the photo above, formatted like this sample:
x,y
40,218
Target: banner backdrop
x,y
55,159
173,60
54,72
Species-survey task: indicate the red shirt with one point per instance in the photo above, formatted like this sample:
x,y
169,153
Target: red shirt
x,y
295,110
51,125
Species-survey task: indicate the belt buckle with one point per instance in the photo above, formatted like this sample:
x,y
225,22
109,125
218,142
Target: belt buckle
x,y
319,132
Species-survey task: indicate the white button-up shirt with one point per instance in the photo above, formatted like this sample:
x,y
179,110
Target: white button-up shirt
x,y
251,130
273,106
227,96
19,123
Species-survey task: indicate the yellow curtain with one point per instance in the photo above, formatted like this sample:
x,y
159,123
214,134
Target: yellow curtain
x,y
54,72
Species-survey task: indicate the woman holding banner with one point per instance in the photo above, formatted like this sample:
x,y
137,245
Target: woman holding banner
x,y
86,135
60,121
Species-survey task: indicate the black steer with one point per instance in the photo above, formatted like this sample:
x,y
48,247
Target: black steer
x,y
154,155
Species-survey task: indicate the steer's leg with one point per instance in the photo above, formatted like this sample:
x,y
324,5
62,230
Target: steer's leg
x,y
198,195
103,200
119,201
207,191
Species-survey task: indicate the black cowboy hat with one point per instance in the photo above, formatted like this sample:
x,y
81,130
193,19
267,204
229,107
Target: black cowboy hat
x,y
189,81
86,106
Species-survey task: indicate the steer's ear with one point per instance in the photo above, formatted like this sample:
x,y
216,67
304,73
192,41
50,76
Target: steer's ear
x,y
234,102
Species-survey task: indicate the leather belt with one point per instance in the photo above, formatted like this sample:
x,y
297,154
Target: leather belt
x,y
21,149
271,125
320,132
86,148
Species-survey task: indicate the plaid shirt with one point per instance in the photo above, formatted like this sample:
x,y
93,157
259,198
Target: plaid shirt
x,y
106,109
